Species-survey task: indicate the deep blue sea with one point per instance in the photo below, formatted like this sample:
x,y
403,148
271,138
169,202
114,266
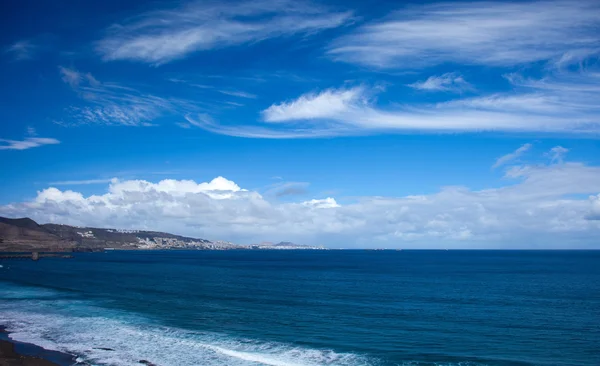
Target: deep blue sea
x,y
301,308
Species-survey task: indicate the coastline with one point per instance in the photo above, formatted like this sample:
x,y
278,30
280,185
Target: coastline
x,y
15,353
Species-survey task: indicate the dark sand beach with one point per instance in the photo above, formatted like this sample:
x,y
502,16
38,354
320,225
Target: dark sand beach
x,y
13,353
10,357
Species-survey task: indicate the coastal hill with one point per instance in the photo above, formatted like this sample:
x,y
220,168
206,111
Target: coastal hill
x,y
99,238
25,235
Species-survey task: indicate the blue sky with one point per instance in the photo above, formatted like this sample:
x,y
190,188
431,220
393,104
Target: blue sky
x,y
348,124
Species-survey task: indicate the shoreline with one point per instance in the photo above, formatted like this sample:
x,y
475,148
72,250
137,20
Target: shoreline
x,y
14,353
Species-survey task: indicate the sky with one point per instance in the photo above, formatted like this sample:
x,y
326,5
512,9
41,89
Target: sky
x,y
348,124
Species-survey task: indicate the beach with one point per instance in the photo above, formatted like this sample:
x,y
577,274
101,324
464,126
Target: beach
x,y
10,357
13,353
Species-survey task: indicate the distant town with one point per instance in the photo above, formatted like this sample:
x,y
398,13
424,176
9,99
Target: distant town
x,y
24,234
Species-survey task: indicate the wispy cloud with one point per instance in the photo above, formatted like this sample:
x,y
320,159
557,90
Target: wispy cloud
x,y
557,153
208,123
237,93
284,189
184,125
484,33
31,131
116,104
202,86
27,143
446,82
22,50
161,36
74,78
81,182
329,103
186,82
537,106
512,156
235,104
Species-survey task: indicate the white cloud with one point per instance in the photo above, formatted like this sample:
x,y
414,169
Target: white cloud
x,y
485,33
537,107
115,104
74,78
538,209
31,131
594,213
512,156
322,203
161,36
70,76
217,188
283,189
81,182
237,93
557,154
445,82
27,143
22,50
327,104
184,125
574,57
207,123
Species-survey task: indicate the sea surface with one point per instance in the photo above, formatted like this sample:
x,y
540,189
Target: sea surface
x,y
300,308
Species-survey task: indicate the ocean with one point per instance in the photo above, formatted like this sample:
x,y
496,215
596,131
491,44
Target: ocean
x,y
306,308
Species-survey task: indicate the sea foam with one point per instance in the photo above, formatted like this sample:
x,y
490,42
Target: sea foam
x,y
101,336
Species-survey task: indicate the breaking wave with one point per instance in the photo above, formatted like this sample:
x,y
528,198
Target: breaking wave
x,y
106,337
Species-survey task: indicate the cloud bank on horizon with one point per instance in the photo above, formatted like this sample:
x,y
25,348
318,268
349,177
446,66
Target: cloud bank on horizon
x,y
546,206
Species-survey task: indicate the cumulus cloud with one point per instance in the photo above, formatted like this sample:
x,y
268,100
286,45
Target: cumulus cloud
x,y
539,209
512,156
322,203
27,143
217,188
446,82
485,33
161,36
